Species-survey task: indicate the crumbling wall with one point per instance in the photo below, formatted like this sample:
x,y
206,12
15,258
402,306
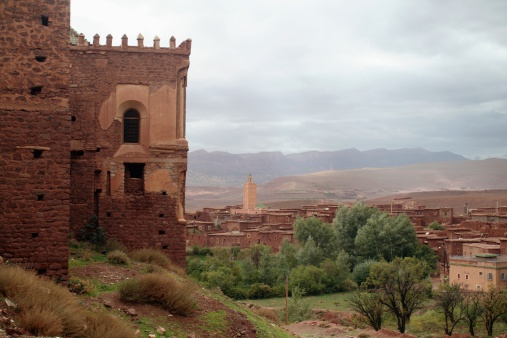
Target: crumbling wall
x,y
35,135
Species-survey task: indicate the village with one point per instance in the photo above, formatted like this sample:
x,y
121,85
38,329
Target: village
x,y
471,246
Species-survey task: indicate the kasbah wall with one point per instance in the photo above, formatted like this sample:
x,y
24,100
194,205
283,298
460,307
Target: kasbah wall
x,y
87,129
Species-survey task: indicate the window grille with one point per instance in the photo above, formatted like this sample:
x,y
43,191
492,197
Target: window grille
x,y
131,124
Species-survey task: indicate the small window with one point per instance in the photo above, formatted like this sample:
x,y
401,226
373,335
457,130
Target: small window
x,y
459,275
466,276
134,178
503,276
209,227
478,287
131,123
44,20
490,276
480,273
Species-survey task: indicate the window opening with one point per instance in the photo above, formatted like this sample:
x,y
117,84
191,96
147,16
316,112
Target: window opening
x,y
134,178
131,122
37,153
44,20
161,232
108,184
164,247
41,271
40,197
75,154
490,276
35,234
73,118
36,90
160,215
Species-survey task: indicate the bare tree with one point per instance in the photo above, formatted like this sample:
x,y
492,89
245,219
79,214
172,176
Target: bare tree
x,y
494,302
472,309
449,301
368,305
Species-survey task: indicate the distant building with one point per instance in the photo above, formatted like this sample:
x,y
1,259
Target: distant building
x,y
249,194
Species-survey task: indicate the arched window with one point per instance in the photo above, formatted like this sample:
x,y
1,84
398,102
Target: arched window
x,y
131,124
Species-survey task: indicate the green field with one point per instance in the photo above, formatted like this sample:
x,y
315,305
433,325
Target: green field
x,y
333,301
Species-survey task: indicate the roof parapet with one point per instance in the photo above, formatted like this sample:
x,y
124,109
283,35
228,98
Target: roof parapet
x,y
185,45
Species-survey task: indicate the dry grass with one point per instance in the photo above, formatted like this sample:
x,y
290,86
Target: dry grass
x,y
161,290
270,314
45,308
118,257
156,257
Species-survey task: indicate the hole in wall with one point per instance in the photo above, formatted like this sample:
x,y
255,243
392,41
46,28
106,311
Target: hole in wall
x,y
41,58
164,192
41,271
40,197
35,234
37,153
35,90
44,20
73,118
75,154
160,215
161,232
108,214
164,247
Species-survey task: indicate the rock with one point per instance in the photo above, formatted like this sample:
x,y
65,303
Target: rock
x,y
152,335
15,331
191,335
10,303
108,304
137,333
131,312
161,330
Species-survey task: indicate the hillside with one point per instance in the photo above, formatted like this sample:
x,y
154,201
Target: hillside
x,y
95,280
363,184
221,169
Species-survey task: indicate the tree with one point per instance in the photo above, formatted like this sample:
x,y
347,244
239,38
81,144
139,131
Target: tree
x,y
386,237
299,308
287,256
337,273
436,226
308,277
346,224
473,309
402,285
362,271
449,301
425,253
321,232
494,302
368,305
310,253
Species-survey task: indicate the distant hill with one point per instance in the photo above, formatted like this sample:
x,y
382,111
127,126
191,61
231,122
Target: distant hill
x,y
222,169
363,184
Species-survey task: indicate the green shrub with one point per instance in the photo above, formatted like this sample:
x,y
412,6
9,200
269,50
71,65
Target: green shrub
x,y
299,308
270,314
118,257
259,291
92,232
436,226
162,290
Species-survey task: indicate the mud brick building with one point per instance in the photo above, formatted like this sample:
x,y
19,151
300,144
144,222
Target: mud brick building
x,y
87,129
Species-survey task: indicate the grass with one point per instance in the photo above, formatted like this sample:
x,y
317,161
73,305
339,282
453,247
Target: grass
x,y
215,323
118,257
158,289
156,257
332,301
45,308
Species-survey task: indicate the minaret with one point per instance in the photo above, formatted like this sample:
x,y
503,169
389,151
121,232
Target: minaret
x,y
249,194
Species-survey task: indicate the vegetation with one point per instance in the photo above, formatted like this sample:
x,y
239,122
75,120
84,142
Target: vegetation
x,y
47,309
161,290
118,257
369,306
156,257
449,301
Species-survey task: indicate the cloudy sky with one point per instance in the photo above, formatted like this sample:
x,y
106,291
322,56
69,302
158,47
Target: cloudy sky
x,y
298,75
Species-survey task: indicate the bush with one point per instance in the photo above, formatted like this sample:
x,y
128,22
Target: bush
x,y
436,226
48,309
80,286
118,257
160,290
156,257
113,244
270,314
259,291
299,309
92,232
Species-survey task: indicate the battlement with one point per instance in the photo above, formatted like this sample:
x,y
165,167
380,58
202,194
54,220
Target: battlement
x,y
184,46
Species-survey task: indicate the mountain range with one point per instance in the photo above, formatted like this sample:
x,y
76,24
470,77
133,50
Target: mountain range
x,y
223,169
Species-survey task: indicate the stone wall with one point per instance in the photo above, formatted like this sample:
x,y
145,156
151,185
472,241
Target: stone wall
x,y
35,135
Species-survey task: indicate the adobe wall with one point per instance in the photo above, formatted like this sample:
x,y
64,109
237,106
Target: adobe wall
x,y
106,81
35,135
